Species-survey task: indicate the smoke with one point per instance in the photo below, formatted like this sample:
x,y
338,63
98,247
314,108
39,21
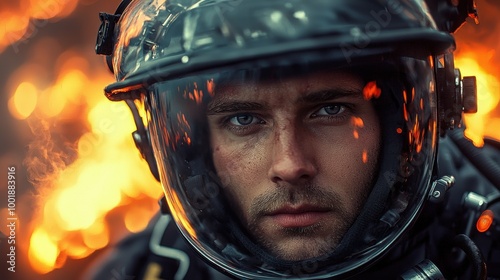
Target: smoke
x,y
46,157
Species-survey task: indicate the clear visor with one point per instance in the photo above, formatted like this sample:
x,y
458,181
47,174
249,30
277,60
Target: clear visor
x,y
295,171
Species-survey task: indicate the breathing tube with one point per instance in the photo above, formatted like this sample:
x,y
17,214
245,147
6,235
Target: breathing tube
x,y
427,270
485,165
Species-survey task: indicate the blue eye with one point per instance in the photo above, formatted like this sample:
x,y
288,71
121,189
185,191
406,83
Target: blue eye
x,y
242,120
330,110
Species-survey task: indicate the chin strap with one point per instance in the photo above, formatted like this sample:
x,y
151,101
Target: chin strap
x,y
141,140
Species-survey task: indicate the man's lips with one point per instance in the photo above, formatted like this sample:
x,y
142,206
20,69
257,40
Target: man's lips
x,y
300,216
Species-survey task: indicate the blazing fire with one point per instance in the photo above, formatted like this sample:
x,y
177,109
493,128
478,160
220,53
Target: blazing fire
x,y
107,172
484,122
81,182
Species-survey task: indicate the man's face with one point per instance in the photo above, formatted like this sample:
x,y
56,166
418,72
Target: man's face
x,y
296,158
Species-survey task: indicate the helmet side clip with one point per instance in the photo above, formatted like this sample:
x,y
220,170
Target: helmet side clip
x,y
456,94
106,35
105,42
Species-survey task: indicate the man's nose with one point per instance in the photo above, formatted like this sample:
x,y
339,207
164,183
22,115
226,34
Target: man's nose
x,y
292,160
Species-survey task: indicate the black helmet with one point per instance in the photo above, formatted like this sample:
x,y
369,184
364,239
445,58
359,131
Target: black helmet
x,y
208,68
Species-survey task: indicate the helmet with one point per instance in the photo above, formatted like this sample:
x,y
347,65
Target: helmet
x,y
293,139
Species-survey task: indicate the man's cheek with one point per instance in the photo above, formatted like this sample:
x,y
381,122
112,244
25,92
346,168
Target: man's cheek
x,y
228,171
225,177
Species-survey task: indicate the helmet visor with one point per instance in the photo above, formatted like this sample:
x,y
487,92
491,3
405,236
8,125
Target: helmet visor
x,y
295,170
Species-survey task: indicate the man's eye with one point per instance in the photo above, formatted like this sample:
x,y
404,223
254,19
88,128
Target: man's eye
x,y
330,110
242,120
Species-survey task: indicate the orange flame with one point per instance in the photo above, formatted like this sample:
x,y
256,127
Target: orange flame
x,y
104,177
211,87
20,20
364,156
357,123
371,90
107,173
484,122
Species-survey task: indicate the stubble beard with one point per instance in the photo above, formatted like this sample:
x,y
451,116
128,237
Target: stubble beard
x,y
302,242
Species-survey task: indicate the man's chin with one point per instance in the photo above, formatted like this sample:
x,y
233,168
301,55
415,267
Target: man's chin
x,y
302,248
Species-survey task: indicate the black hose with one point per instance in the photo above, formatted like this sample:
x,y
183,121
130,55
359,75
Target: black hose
x,y
488,167
492,142
474,255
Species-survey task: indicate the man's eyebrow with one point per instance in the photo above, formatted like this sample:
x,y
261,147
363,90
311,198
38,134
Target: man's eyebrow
x,y
232,106
330,94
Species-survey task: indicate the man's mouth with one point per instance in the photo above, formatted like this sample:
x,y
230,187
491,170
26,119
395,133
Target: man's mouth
x,y
298,216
